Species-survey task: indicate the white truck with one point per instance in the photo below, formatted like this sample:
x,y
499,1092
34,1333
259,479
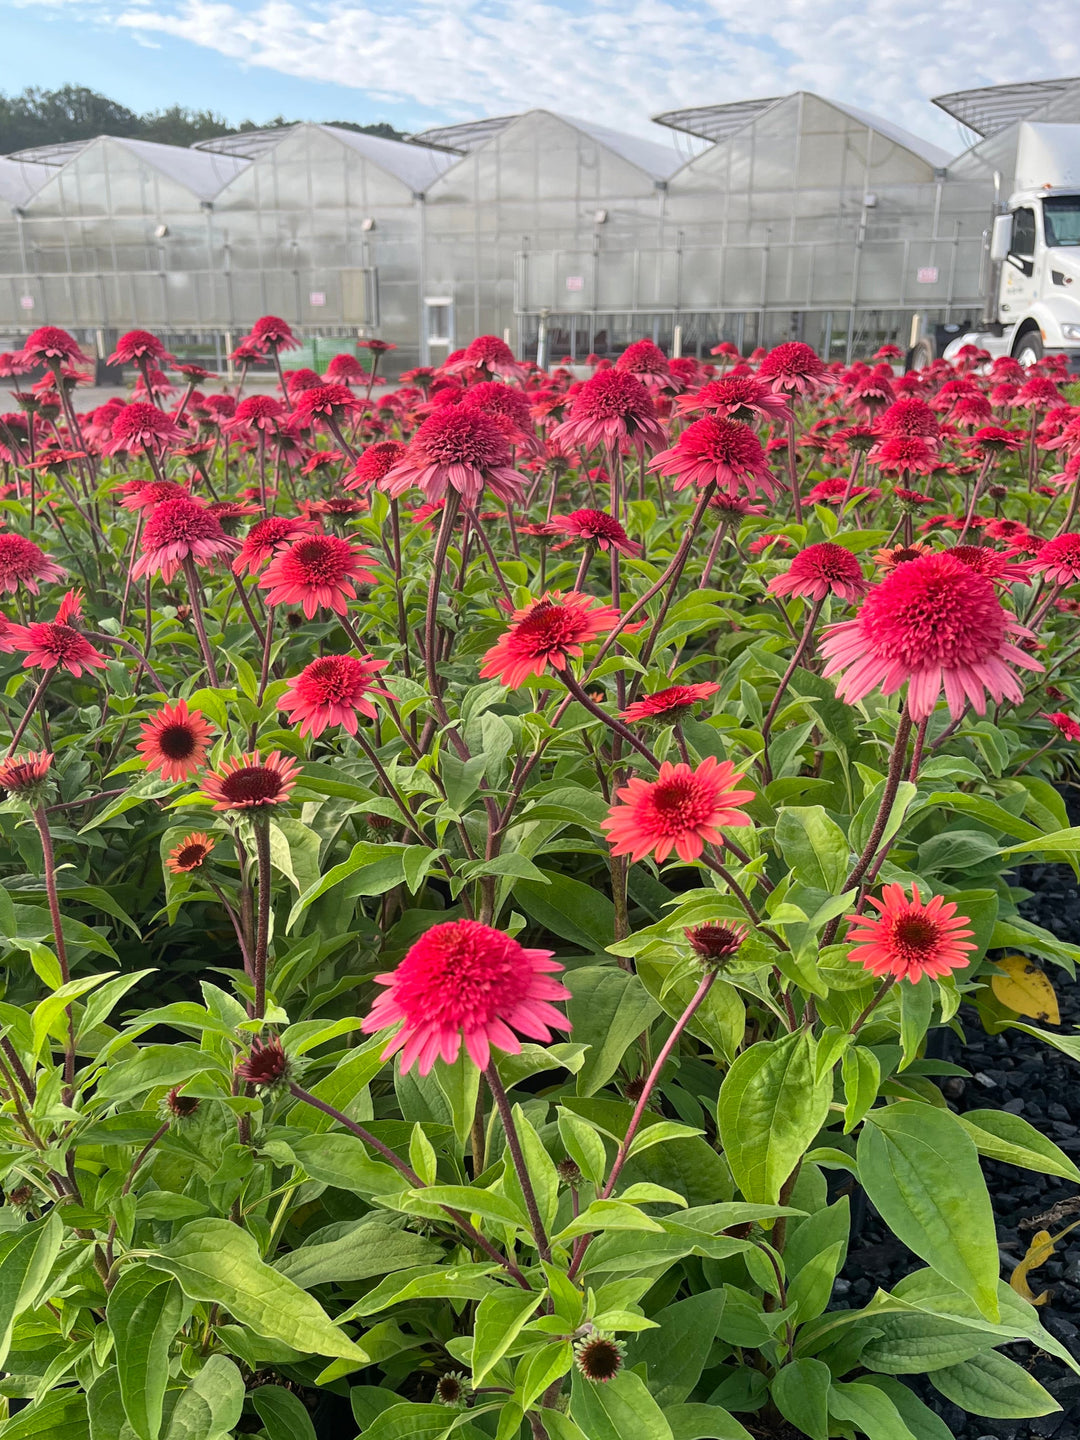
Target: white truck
x,y
1032,294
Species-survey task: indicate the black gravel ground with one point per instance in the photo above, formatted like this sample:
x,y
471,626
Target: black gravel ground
x,y
1014,1072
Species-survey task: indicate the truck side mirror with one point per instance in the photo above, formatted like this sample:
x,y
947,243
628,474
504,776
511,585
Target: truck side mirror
x,y
1001,238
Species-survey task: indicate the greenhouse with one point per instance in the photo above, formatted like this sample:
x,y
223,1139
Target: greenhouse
x,y
755,221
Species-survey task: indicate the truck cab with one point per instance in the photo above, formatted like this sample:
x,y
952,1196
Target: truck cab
x,y
1033,307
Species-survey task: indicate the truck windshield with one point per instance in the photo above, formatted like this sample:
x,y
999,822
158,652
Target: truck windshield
x,y
1061,215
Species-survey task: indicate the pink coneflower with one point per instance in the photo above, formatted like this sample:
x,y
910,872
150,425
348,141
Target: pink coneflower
x,y
680,810
912,499
793,368
145,494
716,943
267,1064
176,530
833,491
141,426
714,450
595,527
55,643
762,543
1038,393
998,440
486,356
1064,724
252,782
267,537
256,412
374,464
273,334
50,343
345,370
873,391
464,981
326,402
910,938
550,631
511,411
333,690
996,565
669,704
1059,559
174,741
648,362
909,416
299,381
822,570
191,854
227,511
456,448
24,563
24,777
1012,532
937,625
139,345
317,572
974,409
611,408
896,454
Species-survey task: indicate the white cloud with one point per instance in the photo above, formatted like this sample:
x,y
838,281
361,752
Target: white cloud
x,y
619,62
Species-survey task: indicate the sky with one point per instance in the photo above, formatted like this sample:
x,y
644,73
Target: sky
x,y
417,63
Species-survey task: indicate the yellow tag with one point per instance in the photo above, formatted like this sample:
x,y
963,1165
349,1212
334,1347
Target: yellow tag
x,y
1038,1252
1025,989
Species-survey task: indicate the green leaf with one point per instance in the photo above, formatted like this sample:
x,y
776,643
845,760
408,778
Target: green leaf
x,y
676,1353
769,1111
584,1146
540,1168
62,1414
916,1011
920,1169
472,1199
704,1422
145,1310
919,1418
362,1251
800,1391
1010,1138
538,1370
342,1161
49,1010
913,1343
216,1261
569,908
283,1415
622,1409
26,1260
809,1292
372,869
499,1319
992,1385
861,1071
438,1282
460,1083
869,1410
814,847
608,1009
210,1406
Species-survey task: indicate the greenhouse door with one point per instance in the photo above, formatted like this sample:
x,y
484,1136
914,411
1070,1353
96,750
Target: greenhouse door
x,y
438,327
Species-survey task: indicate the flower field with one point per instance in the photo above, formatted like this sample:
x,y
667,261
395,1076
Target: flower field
x,y
485,862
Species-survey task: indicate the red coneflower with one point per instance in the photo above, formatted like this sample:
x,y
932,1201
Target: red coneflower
x,y
937,625
762,543
24,563
176,530
50,343
1062,723
821,570
192,853
1038,393
912,499
457,448
510,409
252,782
716,450
267,537
345,370
332,690
669,704
909,416
257,412
1059,559
141,426
680,810
266,1064
716,942
486,355
326,402
897,453
53,643
997,565
317,572
145,494
597,528
611,408
139,345
464,981
833,491
550,631
910,938
998,440
793,367
272,333
174,741
648,362
24,777
374,464
736,397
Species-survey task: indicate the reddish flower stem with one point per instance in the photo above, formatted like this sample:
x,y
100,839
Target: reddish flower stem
x,y
41,820
35,701
192,579
800,650
261,826
513,1142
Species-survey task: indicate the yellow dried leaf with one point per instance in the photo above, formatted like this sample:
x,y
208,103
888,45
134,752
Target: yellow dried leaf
x,y
1025,989
1038,1252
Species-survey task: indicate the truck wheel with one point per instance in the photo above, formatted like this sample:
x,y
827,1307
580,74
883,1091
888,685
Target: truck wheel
x,y
920,355
1029,348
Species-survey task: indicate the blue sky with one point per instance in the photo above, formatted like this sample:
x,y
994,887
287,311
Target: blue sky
x,y
422,62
